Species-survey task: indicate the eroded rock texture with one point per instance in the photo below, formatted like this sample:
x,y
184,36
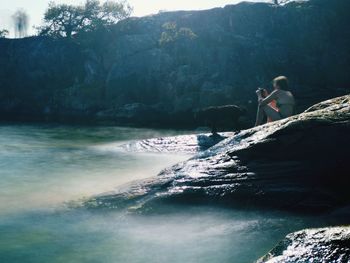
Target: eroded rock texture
x,y
299,163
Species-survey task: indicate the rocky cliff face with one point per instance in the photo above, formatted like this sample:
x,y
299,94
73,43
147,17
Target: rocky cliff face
x,y
142,72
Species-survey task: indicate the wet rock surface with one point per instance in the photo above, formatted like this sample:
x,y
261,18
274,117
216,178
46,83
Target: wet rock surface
x,y
177,144
296,164
312,245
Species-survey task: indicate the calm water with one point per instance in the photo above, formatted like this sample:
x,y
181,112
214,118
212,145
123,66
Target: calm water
x,y
44,167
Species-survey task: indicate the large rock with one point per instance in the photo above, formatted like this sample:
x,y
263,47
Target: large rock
x,y
299,163
312,245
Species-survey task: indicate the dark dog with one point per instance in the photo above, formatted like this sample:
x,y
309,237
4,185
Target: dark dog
x,y
219,115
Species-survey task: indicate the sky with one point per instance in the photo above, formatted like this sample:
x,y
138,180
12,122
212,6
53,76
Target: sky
x,y
36,8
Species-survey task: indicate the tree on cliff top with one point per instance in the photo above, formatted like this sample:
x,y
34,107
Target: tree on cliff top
x,y
3,33
66,20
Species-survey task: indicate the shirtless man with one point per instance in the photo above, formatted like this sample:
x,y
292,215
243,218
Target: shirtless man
x,y
283,98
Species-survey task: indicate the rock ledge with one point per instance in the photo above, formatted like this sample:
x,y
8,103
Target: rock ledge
x,y
296,164
312,245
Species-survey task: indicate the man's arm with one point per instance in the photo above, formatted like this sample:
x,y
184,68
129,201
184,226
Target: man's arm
x,y
268,99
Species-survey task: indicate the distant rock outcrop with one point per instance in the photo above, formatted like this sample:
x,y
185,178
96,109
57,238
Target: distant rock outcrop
x,y
312,245
127,75
296,164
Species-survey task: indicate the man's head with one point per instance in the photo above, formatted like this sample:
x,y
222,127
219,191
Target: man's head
x,y
280,82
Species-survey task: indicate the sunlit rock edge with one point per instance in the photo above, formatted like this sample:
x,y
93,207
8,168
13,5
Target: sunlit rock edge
x,y
312,245
294,164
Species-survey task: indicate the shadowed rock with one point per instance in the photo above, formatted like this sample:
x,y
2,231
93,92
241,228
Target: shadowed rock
x,y
299,163
220,116
312,245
